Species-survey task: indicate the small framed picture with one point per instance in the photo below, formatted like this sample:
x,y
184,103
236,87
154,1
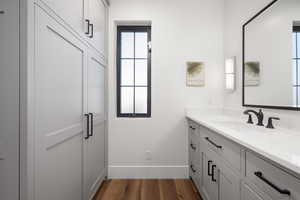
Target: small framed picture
x,y
195,74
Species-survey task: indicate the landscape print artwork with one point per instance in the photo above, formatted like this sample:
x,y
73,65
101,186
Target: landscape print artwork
x,y
195,74
252,74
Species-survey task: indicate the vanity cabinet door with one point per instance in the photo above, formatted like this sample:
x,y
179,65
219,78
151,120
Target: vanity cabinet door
x,y
210,181
229,184
250,194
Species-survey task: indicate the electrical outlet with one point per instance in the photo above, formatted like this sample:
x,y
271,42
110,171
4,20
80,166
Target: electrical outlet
x,y
148,155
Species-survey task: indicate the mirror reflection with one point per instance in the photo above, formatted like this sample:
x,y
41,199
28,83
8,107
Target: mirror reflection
x,y
272,56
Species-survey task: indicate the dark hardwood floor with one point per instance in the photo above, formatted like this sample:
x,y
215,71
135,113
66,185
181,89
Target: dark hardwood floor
x,y
148,189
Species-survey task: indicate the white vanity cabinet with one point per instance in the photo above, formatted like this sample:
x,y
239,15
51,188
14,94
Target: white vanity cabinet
x,y
195,160
233,172
212,177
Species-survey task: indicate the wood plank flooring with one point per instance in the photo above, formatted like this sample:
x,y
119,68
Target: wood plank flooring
x,y
148,189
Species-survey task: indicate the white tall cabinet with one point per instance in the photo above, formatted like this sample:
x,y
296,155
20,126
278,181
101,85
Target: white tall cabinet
x,y
53,95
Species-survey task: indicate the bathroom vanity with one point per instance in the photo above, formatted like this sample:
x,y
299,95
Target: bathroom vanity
x,y
230,159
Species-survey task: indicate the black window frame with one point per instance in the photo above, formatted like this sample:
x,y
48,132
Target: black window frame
x,y
134,29
296,29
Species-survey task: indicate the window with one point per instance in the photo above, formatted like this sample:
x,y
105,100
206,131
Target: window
x,y
134,71
296,66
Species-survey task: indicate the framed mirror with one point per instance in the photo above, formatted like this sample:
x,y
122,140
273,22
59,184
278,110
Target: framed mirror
x,y
271,57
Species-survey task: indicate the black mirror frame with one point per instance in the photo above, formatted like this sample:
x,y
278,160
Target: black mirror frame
x,y
243,67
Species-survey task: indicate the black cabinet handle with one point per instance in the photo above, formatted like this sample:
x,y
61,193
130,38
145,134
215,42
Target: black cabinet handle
x,y
281,191
193,147
192,128
88,27
92,30
92,124
213,143
87,126
213,173
192,168
208,168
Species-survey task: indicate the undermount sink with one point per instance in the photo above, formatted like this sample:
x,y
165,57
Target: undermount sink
x,y
241,126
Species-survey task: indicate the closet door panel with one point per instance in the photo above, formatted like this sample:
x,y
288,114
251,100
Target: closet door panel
x,y
59,69
97,14
96,88
95,146
70,11
95,170
9,100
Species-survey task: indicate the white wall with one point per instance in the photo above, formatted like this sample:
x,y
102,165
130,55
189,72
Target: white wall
x,y
181,31
236,13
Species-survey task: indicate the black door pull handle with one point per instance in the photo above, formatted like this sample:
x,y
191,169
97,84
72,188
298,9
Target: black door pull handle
x,y
192,168
87,126
213,143
193,147
208,168
92,30
213,173
92,124
281,191
88,27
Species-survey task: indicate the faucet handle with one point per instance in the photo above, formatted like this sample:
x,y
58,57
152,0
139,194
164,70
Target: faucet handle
x,y
250,121
270,122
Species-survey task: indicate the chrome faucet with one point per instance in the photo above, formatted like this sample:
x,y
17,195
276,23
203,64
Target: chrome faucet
x,y
259,115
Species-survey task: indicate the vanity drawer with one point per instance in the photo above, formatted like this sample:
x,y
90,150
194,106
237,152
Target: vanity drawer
x,y
274,181
228,150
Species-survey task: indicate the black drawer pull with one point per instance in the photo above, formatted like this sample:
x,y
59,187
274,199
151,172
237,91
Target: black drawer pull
x,y
193,147
213,173
192,128
261,177
213,143
192,168
208,168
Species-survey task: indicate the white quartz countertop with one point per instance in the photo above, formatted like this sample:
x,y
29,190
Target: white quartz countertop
x,y
280,145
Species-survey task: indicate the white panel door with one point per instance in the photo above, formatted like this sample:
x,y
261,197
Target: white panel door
x,y
59,98
70,11
95,169
9,100
98,17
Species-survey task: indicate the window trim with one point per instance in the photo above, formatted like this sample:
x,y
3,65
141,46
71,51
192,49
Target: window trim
x,y
296,30
121,29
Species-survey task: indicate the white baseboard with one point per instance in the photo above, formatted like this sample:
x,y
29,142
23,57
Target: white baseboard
x,y
148,172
